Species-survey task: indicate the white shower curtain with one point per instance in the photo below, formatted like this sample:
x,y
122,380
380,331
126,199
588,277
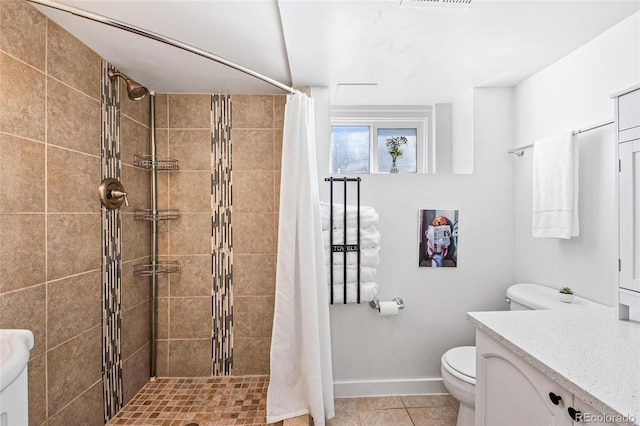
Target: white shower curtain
x,y
301,377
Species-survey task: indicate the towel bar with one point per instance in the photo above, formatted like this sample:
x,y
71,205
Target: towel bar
x,y
520,150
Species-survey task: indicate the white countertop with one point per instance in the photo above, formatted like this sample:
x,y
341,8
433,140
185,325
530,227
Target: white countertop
x,y
587,351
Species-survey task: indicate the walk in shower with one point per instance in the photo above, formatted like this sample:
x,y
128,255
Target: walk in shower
x,y
81,277
191,307
210,302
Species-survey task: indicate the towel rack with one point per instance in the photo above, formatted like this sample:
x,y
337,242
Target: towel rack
x,y
520,150
344,248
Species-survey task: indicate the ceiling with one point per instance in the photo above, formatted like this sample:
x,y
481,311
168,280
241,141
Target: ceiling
x,y
376,51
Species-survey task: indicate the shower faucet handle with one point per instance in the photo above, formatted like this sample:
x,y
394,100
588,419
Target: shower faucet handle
x,y
112,194
120,194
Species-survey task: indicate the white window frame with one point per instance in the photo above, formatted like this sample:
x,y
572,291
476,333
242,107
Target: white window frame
x,y
388,117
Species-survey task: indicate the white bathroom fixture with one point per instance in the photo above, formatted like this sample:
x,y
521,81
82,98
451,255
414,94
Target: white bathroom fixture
x,y
458,365
538,297
14,356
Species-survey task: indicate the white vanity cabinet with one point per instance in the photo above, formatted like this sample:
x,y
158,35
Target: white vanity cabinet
x,y
510,391
588,414
627,106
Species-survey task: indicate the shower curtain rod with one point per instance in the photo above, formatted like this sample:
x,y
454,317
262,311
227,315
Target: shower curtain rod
x,y
161,38
520,151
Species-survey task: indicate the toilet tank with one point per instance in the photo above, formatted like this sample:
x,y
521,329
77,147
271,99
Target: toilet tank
x,y
535,296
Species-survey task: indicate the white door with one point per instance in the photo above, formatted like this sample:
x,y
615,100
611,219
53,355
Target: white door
x,y
630,215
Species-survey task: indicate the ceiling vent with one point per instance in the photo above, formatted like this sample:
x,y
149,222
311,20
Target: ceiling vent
x,y
466,4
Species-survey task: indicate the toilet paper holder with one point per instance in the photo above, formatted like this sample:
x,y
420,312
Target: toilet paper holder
x,y
375,303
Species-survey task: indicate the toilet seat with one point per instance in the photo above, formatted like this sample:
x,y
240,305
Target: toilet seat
x,y
461,363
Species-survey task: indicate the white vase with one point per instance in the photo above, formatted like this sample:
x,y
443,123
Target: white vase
x,y
566,298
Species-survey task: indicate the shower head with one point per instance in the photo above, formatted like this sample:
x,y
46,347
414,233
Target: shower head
x,y
136,90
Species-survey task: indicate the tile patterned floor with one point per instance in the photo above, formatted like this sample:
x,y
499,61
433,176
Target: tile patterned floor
x,y
242,400
206,401
411,410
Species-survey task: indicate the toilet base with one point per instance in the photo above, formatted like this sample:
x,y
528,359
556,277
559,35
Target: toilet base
x,y
465,393
466,416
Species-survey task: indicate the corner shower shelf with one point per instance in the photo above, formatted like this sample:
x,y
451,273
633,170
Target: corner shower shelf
x,y
150,162
159,268
160,214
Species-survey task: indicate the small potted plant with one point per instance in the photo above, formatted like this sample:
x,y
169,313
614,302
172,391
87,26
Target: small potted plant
x,y
566,295
393,148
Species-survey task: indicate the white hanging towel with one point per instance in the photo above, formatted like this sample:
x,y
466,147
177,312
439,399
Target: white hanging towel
x,y
368,291
367,273
368,216
369,237
301,377
555,187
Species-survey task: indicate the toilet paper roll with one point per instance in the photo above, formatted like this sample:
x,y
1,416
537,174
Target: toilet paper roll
x,y
388,308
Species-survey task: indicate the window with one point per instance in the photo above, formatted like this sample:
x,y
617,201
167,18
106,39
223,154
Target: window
x,y
359,139
350,149
407,162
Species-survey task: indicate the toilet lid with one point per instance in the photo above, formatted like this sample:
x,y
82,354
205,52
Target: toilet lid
x,y
463,360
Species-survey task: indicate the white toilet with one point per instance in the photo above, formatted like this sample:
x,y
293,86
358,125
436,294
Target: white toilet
x,y
458,365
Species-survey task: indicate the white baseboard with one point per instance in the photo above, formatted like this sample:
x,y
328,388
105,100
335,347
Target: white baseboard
x,y
349,389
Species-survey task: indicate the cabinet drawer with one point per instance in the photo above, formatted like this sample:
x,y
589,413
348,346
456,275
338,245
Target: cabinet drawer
x,y
629,110
629,135
629,298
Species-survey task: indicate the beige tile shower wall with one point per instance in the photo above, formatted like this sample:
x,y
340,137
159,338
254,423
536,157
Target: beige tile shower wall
x,y
136,237
257,146
50,243
184,308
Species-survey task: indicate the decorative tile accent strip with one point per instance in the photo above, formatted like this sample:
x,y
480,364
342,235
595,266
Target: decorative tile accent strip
x,y
111,250
221,235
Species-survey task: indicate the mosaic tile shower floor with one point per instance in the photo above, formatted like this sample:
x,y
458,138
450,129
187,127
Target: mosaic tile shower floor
x,y
207,401
235,400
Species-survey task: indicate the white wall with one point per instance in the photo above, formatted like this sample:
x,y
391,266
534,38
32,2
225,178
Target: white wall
x,y
571,94
385,355
463,137
375,355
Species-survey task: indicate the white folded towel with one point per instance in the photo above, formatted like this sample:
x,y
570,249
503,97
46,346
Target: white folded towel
x,y
368,257
368,291
368,216
367,273
555,187
369,237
